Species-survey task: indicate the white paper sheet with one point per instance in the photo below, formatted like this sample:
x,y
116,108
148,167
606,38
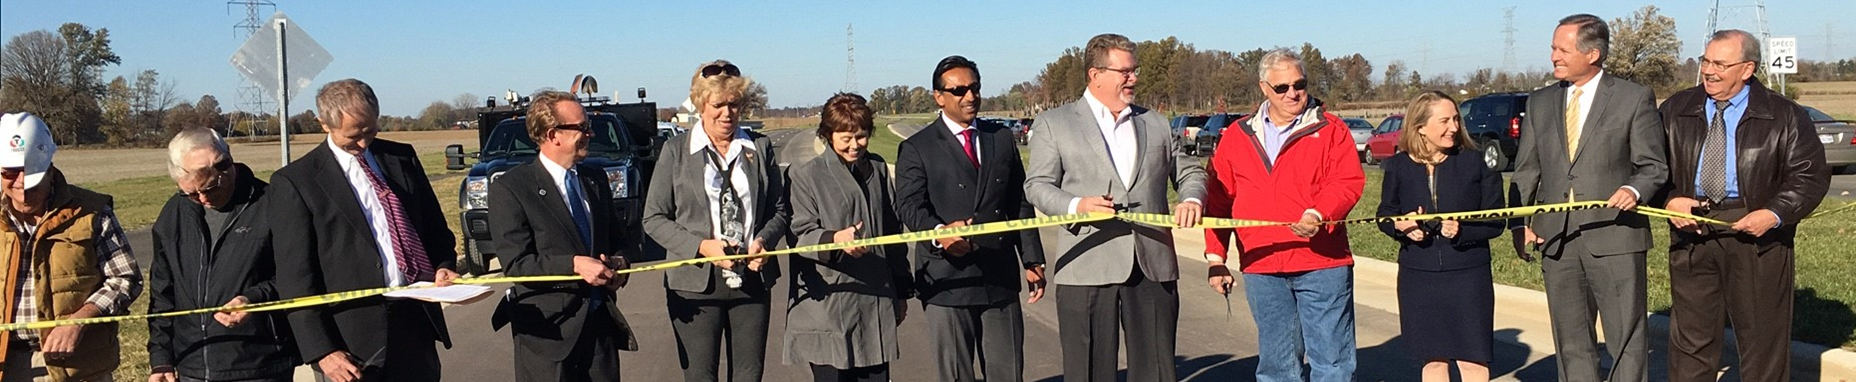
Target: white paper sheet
x,y
454,294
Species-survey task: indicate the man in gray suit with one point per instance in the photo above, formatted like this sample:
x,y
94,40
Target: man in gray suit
x,y
1591,136
1103,154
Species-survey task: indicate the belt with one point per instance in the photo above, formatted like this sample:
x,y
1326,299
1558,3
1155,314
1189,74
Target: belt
x,y
1722,205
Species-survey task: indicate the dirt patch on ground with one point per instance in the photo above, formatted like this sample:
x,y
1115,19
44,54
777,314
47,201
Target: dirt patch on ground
x,y
89,166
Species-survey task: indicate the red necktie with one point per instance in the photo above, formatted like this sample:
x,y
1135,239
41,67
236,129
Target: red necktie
x,y
407,251
966,144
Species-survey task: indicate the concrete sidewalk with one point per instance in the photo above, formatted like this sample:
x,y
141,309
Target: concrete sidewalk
x,y
1521,319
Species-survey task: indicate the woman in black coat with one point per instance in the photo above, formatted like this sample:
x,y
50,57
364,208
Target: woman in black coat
x,y
1446,296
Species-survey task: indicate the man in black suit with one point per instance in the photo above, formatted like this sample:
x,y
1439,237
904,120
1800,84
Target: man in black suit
x,y
358,213
554,216
959,171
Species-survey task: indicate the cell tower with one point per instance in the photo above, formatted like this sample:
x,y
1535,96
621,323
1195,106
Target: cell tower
x,y
1758,29
1508,38
251,98
850,61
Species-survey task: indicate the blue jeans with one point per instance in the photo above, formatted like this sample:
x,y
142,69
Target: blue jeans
x,y
1306,313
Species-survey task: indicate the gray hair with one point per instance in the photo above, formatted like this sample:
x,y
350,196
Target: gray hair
x,y
1749,46
1593,34
190,140
1276,58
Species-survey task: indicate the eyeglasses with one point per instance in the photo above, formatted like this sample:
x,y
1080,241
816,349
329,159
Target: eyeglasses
x,y
1125,72
580,127
12,173
1719,66
961,91
219,173
1301,84
714,69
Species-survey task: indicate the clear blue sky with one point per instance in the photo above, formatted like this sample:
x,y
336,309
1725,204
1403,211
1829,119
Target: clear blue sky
x,y
416,52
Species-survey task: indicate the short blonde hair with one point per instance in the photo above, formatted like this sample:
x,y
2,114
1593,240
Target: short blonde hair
x,y
703,88
1418,114
541,116
349,96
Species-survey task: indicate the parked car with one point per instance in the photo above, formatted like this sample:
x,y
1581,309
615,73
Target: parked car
x,y
1494,122
1205,142
751,125
1023,131
1384,142
1839,138
1362,131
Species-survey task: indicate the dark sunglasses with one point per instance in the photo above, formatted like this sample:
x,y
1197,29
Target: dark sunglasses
x,y
1301,84
714,69
12,172
961,91
580,127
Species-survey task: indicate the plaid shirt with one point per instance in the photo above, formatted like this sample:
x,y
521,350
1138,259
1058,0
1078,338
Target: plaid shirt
x,y
121,280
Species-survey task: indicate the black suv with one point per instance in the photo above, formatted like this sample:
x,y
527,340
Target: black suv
x,y
1494,122
1208,136
622,143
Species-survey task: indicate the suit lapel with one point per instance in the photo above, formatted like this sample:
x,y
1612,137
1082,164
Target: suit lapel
x,y
1093,139
1589,125
335,186
951,146
1140,137
1556,117
757,180
550,196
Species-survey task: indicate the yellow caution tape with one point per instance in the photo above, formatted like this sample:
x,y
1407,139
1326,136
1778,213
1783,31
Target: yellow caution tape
x,y
1838,210
1151,219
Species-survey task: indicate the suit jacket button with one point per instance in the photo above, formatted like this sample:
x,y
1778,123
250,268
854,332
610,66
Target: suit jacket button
x,y
962,186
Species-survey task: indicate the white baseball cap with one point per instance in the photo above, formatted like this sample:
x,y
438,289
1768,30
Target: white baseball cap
x,y
28,146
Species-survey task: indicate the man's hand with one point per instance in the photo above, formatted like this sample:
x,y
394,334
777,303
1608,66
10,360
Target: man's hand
x,y
1103,204
756,248
1308,226
1187,214
338,367
592,270
1034,281
443,277
956,246
1524,239
162,377
1220,278
902,310
1687,206
849,234
1623,200
60,342
1757,223
1449,229
614,263
232,319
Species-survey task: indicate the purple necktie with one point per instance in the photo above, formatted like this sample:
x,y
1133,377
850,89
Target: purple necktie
x,y
407,251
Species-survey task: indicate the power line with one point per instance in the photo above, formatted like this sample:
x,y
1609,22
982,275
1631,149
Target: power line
x,y
250,96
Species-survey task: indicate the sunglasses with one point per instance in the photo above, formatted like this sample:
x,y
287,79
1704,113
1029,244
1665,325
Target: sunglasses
x,y
961,91
714,69
1301,84
12,172
580,127
219,173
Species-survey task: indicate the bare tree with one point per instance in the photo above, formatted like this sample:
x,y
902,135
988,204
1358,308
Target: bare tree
x,y
1644,49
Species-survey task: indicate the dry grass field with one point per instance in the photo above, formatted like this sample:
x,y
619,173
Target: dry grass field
x,y
1835,98
92,166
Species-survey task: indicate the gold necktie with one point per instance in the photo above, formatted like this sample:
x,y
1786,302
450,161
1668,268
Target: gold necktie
x,y
1572,123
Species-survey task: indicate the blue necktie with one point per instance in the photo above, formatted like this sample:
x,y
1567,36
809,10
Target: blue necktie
x,y
576,206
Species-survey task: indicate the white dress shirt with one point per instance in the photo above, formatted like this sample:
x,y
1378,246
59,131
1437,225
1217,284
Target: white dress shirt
x,y
712,187
1117,131
370,207
956,129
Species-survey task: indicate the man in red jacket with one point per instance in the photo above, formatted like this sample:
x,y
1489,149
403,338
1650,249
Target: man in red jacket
x,y
1290,162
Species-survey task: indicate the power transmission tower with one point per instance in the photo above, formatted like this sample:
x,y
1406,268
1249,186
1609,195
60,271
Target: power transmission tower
x,y
1759,28
1508,38
850,60
251,98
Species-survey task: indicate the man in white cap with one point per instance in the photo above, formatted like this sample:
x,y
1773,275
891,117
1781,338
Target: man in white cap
x,y
54,228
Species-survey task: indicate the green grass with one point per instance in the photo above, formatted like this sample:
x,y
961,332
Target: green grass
x,y
1822,305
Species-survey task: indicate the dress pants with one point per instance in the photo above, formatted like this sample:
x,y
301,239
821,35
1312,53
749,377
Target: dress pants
x,y
1721,277
994,334
595,357
1091,319
1581,288
702,326
412,350
872,373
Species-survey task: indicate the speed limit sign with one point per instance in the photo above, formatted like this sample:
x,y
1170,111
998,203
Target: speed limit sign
x,y
1784,56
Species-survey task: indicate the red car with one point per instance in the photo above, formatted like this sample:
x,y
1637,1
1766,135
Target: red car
x,y
1384,142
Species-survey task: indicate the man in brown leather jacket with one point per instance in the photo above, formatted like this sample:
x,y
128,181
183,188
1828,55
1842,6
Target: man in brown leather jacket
x,y
1743,154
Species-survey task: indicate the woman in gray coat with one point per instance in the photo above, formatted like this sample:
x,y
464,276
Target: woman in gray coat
x,y
718,191
844,305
